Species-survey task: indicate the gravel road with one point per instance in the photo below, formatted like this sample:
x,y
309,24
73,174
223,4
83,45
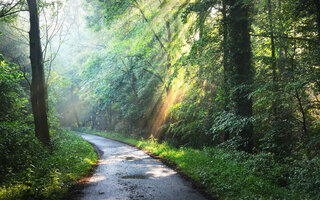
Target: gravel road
x,y
125,172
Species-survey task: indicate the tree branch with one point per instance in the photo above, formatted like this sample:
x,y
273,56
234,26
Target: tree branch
x,y
284,37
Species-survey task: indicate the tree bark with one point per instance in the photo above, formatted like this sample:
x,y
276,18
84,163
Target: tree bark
x,y
226,65
38,81
317,4
240,59
273,51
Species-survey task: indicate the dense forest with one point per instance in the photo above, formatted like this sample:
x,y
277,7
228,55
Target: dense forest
x,y
238,79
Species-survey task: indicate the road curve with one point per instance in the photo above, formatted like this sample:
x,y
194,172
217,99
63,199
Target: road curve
x,y
125,172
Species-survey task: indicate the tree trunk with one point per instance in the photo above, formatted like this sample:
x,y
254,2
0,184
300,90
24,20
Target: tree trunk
x,y
169,40
73,100
240,59
38,81
94,120
226,65
301,108
273,51
317,4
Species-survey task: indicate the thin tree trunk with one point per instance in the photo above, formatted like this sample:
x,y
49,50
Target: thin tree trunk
x,y
147,21
226,67
302,110
77,118
273,51
169,40
38,81
275,87
93,118
73,99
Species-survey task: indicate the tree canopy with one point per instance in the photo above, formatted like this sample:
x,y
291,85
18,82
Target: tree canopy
x,y
237,75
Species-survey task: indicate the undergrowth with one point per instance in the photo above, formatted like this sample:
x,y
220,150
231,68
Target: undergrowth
x,y
229,174
30,170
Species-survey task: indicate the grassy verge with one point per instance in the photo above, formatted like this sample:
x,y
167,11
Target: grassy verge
x,y
33,171
226,174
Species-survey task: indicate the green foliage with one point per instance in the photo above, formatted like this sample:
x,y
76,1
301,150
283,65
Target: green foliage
x,y
125,86
31,170
229,174
306,177
12,97
152,45
9,10
28,169
125,80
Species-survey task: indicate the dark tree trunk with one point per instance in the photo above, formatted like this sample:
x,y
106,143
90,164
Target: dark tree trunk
x,y
301,108
273,51
240,60
226,64
38,81
317,4
275,87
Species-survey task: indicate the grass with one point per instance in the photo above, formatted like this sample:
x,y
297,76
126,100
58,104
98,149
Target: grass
x,y
41,172
225,174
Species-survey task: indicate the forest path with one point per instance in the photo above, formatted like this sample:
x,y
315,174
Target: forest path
x,y
125,172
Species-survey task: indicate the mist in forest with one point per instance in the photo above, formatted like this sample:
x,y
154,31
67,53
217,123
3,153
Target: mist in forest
x,y
66,41
228,91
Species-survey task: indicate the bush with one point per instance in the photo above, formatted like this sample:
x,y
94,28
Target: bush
x,y
34,171
305,178
230,174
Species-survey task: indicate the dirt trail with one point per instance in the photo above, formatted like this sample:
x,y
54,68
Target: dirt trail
x,y
125,172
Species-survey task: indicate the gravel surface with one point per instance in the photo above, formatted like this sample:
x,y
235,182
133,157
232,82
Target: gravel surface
x,y
125,172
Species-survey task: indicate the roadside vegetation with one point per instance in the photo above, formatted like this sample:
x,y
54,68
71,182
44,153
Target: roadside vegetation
x,y
228,90
30,170
230,174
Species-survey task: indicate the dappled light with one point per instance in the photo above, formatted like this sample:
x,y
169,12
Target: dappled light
x,y
226,93
171,97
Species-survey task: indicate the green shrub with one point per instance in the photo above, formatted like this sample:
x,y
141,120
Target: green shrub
x,y
306,178
230,174
38,172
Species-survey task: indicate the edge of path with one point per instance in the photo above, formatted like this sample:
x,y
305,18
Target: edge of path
x,y
82,182
76,190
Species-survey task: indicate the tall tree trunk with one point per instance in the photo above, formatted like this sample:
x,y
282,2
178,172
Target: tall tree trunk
x,y
240,59
275,88
298,97
169,40
226,64
273,51
38,81
317,4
